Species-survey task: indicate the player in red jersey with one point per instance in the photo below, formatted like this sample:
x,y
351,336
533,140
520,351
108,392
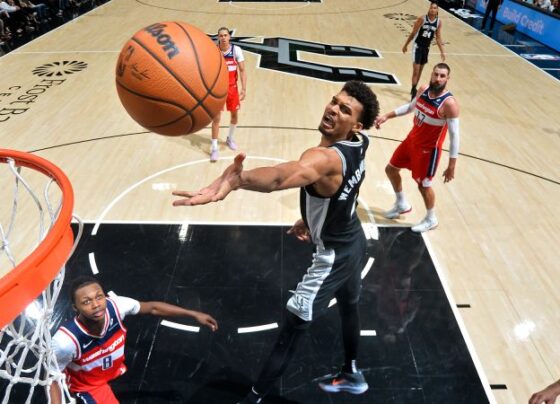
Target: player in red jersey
x,y
236,69
90,347
435,112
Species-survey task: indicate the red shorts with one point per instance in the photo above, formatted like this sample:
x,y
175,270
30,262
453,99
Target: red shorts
x,y
96,395
232,101
423,162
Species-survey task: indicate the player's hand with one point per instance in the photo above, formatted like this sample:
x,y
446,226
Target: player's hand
x,y
206,320
300,230
404,49
380,121
242,95
448,174
443,57
547,396
229,181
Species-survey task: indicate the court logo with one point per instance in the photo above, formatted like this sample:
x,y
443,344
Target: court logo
x,y
17,100
58,69
285,55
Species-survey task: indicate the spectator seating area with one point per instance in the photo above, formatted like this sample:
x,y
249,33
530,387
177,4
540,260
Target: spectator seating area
x,y
23,20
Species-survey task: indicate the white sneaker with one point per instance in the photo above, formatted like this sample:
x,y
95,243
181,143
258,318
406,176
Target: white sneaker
x,y
398,210
425,225
214,155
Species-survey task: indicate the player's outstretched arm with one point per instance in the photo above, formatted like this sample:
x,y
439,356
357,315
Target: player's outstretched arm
x,y
314,164
162,309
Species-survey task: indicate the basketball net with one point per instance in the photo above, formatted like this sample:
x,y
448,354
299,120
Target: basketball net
x,y
27,362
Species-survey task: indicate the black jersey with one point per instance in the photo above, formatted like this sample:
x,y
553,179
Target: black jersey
x,y
426,32
332,221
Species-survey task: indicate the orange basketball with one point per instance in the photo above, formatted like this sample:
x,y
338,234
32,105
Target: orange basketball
x,y
171,78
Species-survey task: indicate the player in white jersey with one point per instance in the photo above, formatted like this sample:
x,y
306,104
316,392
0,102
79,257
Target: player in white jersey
x,y
236,70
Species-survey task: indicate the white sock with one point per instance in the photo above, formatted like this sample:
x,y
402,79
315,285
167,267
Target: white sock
x,y
214,144
401,200
430,214
231,130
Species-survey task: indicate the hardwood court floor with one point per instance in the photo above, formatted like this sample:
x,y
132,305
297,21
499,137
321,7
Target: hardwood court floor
x,y
497,243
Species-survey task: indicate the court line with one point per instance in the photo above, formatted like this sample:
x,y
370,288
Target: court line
x,y
459,319
257,328
372,230
177,326
556,182
220,13
92,263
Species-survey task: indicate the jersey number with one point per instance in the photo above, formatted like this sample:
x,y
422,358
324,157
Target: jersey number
x,y
107,363
420,117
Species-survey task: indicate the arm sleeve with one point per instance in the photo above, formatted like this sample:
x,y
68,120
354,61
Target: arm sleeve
x,y
405,109
453,126
126,305
64,349
238,54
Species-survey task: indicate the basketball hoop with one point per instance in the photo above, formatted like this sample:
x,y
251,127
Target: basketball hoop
x,y
28,292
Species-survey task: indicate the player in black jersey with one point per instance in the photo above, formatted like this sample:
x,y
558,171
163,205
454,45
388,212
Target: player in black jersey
x,y
423,32
329,176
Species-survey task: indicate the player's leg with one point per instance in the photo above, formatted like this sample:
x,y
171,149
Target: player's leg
x,y
350,378
233,104
486,14
232,125
424,168
493,18
399,160
280,357
416,58
215,134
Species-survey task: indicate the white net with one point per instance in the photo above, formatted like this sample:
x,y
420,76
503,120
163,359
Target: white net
x,y
28,367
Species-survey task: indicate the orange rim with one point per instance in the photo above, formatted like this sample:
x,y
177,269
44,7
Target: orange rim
x,y
29,278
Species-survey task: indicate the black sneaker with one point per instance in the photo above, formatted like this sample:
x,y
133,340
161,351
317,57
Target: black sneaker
x,y
353,383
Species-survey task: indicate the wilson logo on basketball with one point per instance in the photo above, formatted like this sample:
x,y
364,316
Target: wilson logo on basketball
x,y
167,44
60,68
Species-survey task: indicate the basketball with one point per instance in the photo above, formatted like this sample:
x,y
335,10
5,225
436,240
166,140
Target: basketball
x,y
171,78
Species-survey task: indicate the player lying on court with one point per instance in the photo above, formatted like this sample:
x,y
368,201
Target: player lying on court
x,y
435,112
329,177
90,347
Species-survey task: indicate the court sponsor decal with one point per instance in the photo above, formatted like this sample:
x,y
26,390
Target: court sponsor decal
x,y
16,100
283,55
59,68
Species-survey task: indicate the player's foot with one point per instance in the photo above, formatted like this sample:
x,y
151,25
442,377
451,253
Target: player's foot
x,y
413,93
397,210
251,398
231,143
214,155
425,225
353,383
